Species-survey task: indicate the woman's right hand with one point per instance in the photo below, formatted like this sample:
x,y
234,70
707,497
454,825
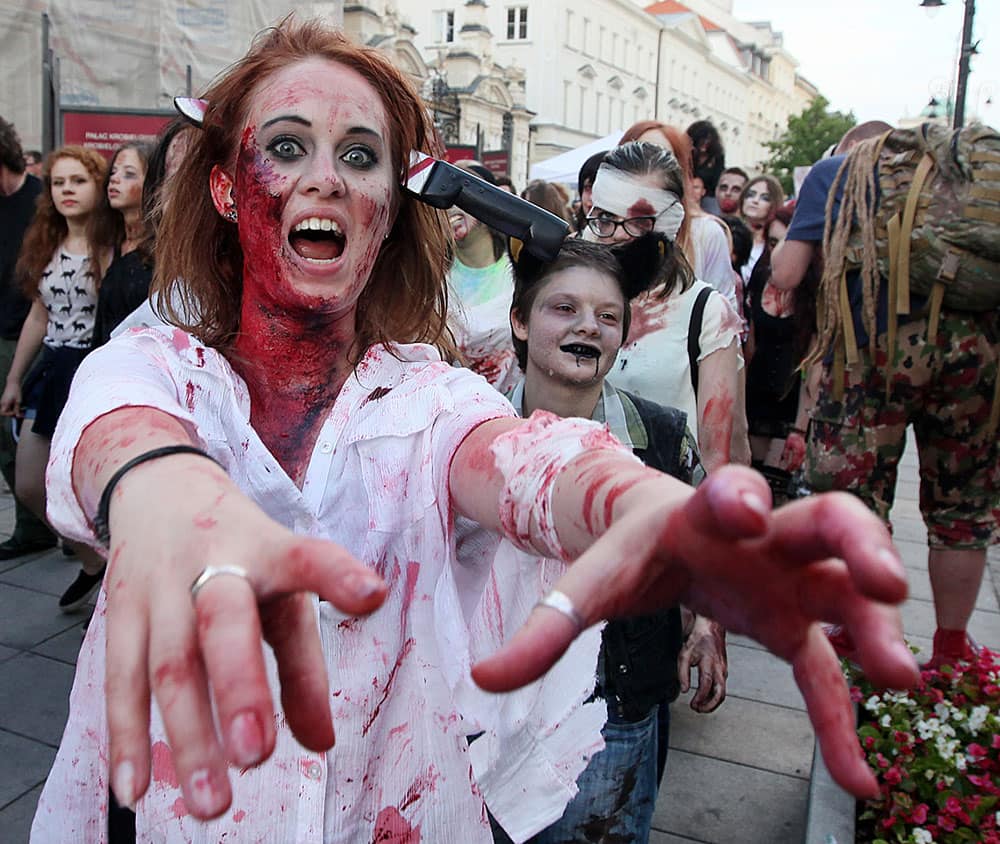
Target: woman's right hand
x,y
170,518
10,401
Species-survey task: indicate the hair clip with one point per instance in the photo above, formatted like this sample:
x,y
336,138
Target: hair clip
x,y
191,109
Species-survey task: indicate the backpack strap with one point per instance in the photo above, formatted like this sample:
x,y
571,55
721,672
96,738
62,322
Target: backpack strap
x,y
893,228
694,335
906,231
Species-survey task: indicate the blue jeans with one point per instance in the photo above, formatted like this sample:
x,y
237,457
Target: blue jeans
x,y
617,790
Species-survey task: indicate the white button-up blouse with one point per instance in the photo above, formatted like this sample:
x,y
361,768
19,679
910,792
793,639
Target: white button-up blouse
x,y
400,691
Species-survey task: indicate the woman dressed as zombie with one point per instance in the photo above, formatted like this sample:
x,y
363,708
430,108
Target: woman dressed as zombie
x,y
301,467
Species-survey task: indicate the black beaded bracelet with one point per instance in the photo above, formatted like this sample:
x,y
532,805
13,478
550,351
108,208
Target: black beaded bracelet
x,y
101,527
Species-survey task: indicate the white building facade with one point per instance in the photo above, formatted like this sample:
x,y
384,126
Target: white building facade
x,y
594,67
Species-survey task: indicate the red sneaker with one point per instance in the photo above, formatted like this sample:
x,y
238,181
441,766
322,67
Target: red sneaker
x,y
951,647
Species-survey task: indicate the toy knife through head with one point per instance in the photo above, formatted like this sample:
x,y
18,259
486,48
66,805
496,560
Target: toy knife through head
x,y
443,185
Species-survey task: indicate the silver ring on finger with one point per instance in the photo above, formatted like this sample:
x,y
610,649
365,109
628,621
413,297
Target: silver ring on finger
x,y
560,602
209,572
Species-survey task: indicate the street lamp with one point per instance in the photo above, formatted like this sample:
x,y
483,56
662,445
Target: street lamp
x,y
969,49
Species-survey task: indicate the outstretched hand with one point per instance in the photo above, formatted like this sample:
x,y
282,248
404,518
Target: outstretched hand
x,y
199,654
769,575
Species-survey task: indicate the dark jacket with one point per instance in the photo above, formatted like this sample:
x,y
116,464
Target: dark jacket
x,y
638,666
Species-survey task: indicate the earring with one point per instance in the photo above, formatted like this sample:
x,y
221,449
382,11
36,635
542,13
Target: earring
x,y
231,215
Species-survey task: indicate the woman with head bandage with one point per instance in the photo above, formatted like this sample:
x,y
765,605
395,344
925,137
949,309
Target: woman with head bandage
x,y
640,188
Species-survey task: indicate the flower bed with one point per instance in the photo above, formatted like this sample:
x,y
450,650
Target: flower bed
x,y
936,752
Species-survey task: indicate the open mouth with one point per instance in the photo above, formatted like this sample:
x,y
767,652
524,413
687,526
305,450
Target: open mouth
x,y
580,350
317,239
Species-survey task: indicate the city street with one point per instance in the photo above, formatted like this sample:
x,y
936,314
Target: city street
x,y
739,775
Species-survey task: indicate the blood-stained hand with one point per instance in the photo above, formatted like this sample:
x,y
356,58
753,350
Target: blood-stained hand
x,y
774,576
794,452
170,518
704,649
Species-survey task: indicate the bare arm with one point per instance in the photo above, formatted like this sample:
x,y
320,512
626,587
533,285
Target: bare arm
x,y
789,262
28,344
718,392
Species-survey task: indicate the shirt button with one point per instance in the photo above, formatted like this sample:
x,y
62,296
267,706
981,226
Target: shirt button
x,y
326,448
314,771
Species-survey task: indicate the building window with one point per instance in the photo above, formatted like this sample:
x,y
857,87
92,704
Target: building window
x,y
444,26
569,28
585,39
517,23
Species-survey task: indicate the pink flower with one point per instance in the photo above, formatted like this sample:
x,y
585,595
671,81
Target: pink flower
x,y
978,750
952,806
919,814
996,741
893,776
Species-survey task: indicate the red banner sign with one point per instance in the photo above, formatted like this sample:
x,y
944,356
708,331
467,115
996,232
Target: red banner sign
x,y
105,131
497,162
459,152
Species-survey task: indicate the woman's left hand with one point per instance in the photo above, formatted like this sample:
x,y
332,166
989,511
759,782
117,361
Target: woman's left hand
x,y
704,649
771,575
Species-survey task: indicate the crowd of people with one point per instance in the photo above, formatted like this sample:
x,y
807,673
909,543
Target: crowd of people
x,y
279,398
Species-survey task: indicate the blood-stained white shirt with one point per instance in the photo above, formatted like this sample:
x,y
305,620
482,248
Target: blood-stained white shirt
x,y
400,691
654,363
479,318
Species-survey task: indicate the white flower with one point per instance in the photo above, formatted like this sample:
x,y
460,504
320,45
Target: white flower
x,y
922,836
942,710
960,763
885,720
874,704
929,728
978,717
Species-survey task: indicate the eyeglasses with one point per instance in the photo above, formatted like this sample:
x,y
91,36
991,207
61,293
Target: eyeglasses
x,y
634,226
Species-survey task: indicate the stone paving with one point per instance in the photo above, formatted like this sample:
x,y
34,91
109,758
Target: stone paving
x,y
738,776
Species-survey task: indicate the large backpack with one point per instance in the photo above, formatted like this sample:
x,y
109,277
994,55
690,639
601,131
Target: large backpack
x,y
920,207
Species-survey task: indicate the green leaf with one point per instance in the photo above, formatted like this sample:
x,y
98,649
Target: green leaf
x,y
806,138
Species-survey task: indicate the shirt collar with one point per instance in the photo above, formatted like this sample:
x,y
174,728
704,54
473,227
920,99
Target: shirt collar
x,y
609,410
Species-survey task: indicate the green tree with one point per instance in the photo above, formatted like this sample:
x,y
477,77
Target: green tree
x,y
807,137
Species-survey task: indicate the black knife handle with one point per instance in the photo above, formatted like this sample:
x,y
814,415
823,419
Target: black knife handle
x,y
541,231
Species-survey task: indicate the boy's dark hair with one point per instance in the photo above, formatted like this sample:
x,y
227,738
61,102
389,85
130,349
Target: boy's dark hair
x,y
739,171
505,181
742,239
11,154
635,265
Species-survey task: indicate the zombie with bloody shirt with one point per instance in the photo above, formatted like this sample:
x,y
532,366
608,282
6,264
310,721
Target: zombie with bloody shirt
x,y
639,188
301,466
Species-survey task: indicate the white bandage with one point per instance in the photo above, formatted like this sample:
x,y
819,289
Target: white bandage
x,y
618,193
530,458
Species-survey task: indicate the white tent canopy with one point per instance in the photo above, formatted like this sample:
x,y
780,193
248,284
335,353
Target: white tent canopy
x,y
565,168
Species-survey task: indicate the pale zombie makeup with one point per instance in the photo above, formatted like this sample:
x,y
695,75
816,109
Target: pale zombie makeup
x,y
727,192
315,190
574,329
125,182
74,191
757,202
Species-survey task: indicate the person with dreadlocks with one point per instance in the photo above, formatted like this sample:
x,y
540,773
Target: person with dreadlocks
x,y
941,383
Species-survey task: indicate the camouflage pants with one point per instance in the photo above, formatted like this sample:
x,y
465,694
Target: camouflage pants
x,y
945,391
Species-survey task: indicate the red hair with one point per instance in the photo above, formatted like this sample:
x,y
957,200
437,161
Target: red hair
x,y
48,229
199,260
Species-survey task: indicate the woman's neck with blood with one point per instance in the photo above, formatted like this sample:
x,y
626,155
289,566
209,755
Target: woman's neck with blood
x,y
293,355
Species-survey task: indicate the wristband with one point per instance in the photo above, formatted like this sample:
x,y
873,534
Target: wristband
x,y
101,527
